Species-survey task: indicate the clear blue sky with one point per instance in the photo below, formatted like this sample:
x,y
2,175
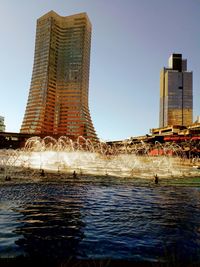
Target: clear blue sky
x,y
131,42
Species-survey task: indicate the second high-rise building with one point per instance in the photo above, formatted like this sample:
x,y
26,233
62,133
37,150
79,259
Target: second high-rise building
x,y
58,97
176,97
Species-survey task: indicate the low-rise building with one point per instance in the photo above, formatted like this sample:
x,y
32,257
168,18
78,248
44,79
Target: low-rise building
x,y
2,125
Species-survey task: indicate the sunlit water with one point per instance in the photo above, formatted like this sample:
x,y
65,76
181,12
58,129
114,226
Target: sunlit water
x,y
109,218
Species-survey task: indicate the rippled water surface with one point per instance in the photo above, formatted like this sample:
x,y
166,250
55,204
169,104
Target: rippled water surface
x,y
107,219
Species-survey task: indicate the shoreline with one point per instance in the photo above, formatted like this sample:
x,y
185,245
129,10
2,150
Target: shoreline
x,y
51,176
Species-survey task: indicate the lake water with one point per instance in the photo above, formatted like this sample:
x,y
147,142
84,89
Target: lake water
x,y
101,219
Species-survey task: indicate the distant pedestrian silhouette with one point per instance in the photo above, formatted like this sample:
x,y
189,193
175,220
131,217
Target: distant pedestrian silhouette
x,y
8,178
156,179
42,173
74,174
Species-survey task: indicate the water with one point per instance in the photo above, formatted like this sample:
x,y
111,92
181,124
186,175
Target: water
x,y
109,218
84,157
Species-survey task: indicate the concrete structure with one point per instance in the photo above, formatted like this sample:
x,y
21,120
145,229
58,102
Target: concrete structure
x,y
58,98
176,96
18,140
169,130
2,125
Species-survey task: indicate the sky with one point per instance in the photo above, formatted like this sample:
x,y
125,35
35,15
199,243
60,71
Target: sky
x,y
131,42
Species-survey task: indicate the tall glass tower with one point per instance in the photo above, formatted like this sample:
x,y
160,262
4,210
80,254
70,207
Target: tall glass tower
x,y
176,97
58,96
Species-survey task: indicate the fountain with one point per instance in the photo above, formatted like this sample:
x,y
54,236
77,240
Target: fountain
x,y
63,156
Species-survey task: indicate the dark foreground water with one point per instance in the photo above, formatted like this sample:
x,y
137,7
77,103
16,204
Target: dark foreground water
x,y
109,219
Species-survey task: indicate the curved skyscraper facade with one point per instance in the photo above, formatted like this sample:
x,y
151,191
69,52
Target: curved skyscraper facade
x,y
58,97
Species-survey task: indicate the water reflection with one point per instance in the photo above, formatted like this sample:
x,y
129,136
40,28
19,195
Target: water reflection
x,y
50,225
145,223
108,220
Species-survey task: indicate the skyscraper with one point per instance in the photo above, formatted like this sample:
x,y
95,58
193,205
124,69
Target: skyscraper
x,y
176,97
58,96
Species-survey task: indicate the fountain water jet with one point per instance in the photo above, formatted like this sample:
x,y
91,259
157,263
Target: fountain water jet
x,y
128,160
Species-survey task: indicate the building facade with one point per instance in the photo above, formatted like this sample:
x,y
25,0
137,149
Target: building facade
x,y
2,125
58,97
176,94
